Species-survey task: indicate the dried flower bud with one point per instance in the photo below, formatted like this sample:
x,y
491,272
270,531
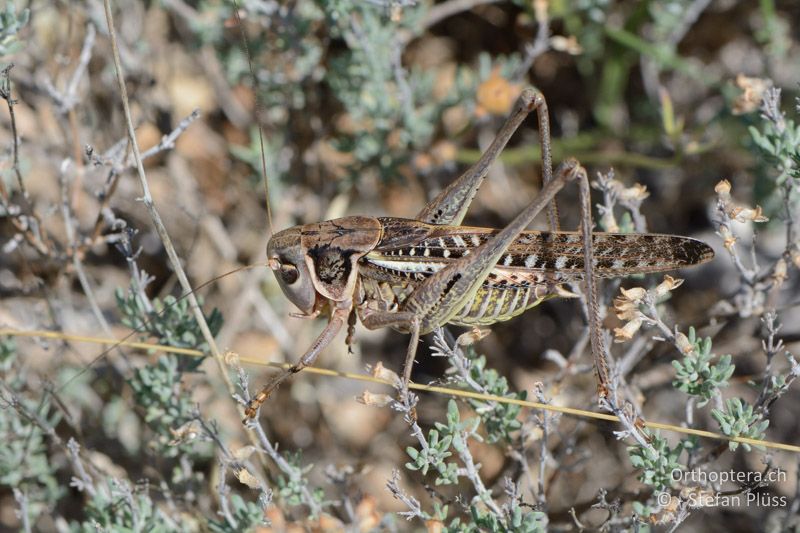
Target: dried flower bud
x,y
381,372
728,239
496,95
734,212
231,358
723,188
245,477
244,452
796,258
569,44
472,336
753,90
667,513
780,273
626,309
637,193
683,344
374,400
667,285
185,433
634,294
751,214
626,332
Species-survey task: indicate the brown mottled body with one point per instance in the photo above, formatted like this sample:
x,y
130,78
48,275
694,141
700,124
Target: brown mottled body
x,y
415,275
532,269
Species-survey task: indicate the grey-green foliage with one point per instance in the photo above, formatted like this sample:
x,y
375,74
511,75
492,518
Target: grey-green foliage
x,y
516,518
296,41
524,520
586,20
391,110
520,521
352,48
24,462
292,489
695,374
773,32
499,419
643,511
658,461
159,388
437,449
778,138
247,515
171,321
116,506
443,445
740,420
275,157
504,65
778,384
11,22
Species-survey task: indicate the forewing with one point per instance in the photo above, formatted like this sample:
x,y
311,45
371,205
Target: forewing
x,y
559,255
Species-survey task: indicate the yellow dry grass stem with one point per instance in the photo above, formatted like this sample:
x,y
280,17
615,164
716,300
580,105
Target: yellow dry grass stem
x,y
415,386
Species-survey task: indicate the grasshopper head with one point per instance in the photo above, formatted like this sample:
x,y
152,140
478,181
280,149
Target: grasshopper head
x,y
286,259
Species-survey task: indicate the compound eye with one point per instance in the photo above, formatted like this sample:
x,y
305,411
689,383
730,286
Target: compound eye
x,y
289,274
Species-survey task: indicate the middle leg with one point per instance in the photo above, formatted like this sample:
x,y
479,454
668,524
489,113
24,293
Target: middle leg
x,y
404,319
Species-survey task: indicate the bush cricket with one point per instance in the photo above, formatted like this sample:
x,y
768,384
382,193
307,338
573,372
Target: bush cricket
x,y
415,275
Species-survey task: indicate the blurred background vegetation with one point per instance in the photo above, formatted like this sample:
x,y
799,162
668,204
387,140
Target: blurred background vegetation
x,y
371,107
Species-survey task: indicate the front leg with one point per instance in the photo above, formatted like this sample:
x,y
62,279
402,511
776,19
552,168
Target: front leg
x,y
338,320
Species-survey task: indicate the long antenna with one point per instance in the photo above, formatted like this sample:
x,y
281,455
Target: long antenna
x,y
154,316
146,321
258,110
